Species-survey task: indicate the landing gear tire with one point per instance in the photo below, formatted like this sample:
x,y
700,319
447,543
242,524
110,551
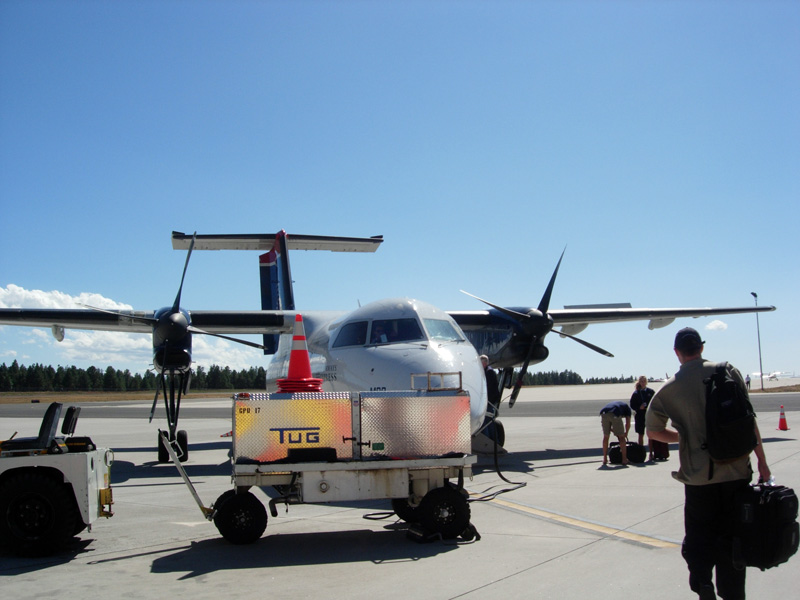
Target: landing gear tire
x,y
446,511
240,518
182,439
37,514
404,511
183,444
500,433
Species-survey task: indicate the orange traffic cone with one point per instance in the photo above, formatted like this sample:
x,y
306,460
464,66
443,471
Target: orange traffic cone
x,y
782,426
299,377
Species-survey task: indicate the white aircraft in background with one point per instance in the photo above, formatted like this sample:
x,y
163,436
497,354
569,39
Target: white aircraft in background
x,y
771,376
383,345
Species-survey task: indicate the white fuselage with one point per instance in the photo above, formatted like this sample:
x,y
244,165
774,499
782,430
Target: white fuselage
x,y
380,346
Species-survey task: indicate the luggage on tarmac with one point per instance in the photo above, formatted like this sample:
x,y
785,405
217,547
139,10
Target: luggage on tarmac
x,y
660,450
635,453
765,529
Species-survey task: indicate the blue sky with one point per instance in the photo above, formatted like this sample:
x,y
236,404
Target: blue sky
x,y
658,142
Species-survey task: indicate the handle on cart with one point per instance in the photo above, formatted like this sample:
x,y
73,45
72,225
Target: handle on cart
x,y
208,513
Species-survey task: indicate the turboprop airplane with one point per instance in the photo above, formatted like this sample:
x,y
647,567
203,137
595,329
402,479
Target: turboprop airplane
x,y
390,344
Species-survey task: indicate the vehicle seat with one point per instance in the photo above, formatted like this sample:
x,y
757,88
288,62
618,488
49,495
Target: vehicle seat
x,y
47,433
70,420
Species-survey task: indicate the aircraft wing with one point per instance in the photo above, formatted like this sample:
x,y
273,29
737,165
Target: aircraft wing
x,y
131,321
657,317
573,320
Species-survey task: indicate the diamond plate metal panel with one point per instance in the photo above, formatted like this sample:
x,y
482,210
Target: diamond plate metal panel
x,y
321,486
414,425
266,427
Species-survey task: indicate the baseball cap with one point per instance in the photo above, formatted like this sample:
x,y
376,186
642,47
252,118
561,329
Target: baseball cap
x,y
688,339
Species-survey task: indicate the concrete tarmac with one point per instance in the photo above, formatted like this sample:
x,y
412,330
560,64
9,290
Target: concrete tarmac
x,y
575,530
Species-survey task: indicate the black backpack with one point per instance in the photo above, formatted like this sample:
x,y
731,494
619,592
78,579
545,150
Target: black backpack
x,y
730,419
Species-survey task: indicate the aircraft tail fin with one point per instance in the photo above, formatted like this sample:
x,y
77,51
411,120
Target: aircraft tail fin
x,y
276,284
276,276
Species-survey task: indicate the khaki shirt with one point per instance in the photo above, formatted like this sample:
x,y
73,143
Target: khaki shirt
x,y
683,400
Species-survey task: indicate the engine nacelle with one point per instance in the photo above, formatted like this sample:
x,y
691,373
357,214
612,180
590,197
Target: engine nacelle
x,y
573,329
659,323
58,332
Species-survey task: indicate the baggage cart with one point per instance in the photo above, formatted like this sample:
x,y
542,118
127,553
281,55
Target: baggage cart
x,y
411,447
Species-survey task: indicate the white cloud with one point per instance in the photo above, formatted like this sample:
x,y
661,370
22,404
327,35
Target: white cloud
x,y
13,296
121,350
716,325
107,347
208,350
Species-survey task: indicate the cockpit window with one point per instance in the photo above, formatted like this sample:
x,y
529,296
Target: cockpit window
x,y
389,331
442,330
352,334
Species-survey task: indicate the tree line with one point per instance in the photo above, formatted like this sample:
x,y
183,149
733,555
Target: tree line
x,y
552,378
570,378
41,378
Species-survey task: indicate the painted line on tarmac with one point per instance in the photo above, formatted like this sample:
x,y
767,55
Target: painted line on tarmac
x,y
588,525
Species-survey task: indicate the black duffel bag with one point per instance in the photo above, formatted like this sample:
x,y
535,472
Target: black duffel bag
x,y
765,530
635,453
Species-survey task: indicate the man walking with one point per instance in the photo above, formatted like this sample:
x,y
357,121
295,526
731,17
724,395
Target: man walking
x,y
709,488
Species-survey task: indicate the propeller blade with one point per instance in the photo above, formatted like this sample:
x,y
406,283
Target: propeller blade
x,y
193,329
155,401
597,349
537,326
544,305
177,304
506,311
518,383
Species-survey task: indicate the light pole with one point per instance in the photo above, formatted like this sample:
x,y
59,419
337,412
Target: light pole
x,y
758,329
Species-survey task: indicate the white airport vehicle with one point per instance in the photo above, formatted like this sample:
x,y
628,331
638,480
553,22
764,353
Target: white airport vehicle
x,y
52,488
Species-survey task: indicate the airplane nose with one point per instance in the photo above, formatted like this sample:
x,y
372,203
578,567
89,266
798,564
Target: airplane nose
x,y
474,382
465,359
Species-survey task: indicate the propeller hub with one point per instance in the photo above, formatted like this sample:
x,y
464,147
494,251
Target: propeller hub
x,y
538,324
172,327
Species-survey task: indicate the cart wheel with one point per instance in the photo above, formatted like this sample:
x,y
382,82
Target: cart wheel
x,y
404,511
183,444
446,511
38,515
240,518
79,527
224,497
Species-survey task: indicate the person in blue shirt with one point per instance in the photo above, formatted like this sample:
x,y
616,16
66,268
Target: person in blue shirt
x,y
611,420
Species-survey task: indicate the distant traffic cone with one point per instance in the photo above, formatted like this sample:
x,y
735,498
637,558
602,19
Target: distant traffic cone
x,y
782,426
299,377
